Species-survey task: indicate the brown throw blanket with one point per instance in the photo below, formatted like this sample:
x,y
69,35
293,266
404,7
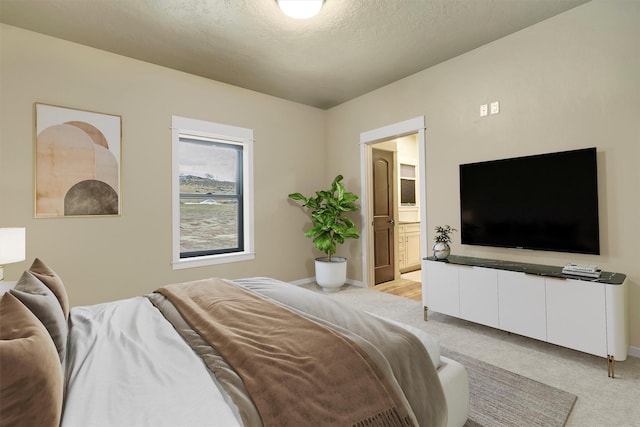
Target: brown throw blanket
x,y
284,359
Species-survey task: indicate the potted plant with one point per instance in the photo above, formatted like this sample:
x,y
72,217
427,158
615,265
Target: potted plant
x,y
441,248
329,228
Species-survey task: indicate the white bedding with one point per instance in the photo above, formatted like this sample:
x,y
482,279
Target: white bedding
x,y
108,387
127,366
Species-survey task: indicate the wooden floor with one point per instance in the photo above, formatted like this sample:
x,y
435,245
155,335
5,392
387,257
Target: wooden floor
x,y
402,287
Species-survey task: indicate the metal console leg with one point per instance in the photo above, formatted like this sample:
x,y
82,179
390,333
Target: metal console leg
x,y
611,366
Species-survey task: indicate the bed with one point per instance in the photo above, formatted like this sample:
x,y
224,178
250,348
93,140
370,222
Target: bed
x,y
215,352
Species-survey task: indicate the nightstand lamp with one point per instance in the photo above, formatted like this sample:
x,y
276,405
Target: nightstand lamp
x,y
12,247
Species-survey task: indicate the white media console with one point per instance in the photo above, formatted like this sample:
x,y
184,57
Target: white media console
x,y
536,301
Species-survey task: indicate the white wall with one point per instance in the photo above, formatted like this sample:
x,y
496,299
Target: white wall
x,y
102,259
569,82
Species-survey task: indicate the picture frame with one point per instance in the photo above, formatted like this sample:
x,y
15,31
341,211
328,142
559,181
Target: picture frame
x,y
77,162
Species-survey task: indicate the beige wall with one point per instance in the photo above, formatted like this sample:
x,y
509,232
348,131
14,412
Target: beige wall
x,y
569,82
102,259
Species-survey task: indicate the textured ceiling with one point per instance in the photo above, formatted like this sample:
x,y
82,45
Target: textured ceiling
x,y
350,48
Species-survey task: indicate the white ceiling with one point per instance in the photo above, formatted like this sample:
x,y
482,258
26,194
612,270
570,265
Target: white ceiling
x,y
350,48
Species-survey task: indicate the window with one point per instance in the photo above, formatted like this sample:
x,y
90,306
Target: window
x,y
407,185
212,193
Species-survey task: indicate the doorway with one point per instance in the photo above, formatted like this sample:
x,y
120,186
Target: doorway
x,y
379,259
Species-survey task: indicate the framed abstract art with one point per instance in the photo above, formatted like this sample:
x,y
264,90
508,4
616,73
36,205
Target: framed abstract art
x,y
77,162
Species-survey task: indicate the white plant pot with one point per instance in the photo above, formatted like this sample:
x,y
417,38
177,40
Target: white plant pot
x,y
331,275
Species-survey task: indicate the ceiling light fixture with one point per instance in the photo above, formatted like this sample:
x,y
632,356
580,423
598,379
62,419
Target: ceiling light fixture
x,y
300,9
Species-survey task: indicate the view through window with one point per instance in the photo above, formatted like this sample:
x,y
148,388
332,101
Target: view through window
x,y
210,197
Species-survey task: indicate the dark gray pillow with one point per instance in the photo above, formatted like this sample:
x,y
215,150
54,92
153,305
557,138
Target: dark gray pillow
x,y
42,302
49,277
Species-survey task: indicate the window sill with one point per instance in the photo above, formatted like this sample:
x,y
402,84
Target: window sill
x,y
211,260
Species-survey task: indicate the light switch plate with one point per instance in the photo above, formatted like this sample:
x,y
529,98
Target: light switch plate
x,y
495,107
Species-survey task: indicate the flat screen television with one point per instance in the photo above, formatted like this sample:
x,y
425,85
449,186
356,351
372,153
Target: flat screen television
x,y
543,202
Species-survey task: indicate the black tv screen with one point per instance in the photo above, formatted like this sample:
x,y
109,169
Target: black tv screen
x,y
543,202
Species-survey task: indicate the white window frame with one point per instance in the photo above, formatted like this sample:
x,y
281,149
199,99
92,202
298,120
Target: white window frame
x,y
200,128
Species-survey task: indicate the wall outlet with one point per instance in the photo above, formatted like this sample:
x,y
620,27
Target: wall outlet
x,y
484,110
495,107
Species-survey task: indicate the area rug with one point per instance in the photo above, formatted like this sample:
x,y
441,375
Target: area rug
x,y
500,398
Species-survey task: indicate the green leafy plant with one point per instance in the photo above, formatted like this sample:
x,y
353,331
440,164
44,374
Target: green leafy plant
x,y
330,225
443,234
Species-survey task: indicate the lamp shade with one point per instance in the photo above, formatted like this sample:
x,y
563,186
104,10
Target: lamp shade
x,y
12,245
300,9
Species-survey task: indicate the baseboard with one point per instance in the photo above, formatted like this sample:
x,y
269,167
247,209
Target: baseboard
x,y
634,351
356,283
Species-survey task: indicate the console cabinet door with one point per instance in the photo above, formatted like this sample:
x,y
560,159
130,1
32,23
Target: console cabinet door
x,y
576,315
441,288
522,304
479,295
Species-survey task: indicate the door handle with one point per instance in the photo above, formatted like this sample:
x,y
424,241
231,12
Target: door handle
x,y
392,221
